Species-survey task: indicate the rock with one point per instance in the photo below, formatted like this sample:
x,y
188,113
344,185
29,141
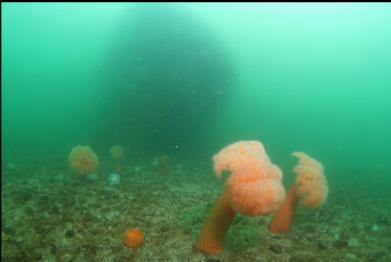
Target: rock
x,y
39,229
322,245
340,243
25,195
55,210
353,242
70,233
36,256
301,258
310,228
164,228
275,248
88,217
29,211
91,249
344,235
53,249
9,230
213,260
65,256
262,222
375,228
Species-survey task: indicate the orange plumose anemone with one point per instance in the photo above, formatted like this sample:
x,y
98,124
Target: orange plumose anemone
x,y
310,190
83,160
117,152
253,188
311,182
134,238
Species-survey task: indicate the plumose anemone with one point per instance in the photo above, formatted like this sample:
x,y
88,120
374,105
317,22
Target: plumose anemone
x,y
253,189
82,160
310,189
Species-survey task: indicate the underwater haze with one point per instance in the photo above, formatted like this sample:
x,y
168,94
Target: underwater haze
x,y
171,84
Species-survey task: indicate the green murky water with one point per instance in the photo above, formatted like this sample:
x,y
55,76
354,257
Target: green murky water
x,y
185,80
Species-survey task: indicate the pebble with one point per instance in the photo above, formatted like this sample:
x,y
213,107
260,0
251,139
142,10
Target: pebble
x,y
9,230
164,228
275,248
322,245
70,233
340,243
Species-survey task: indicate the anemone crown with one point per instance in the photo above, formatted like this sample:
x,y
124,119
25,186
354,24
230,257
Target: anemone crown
x,y
82,160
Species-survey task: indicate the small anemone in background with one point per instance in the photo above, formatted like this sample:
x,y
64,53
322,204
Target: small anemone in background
x,y
83,161
164,165
137,169
114,179
11,166
117,153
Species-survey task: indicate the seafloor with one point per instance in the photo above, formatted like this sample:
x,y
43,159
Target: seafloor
x,y
50,214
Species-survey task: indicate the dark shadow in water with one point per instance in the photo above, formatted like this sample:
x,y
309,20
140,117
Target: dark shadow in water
x,y
168,75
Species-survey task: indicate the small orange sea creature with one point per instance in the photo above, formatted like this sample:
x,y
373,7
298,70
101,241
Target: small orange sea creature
x,y
134,238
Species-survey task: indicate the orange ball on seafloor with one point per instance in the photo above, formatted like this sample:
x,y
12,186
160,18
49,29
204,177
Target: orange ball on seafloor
x,y
134,238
